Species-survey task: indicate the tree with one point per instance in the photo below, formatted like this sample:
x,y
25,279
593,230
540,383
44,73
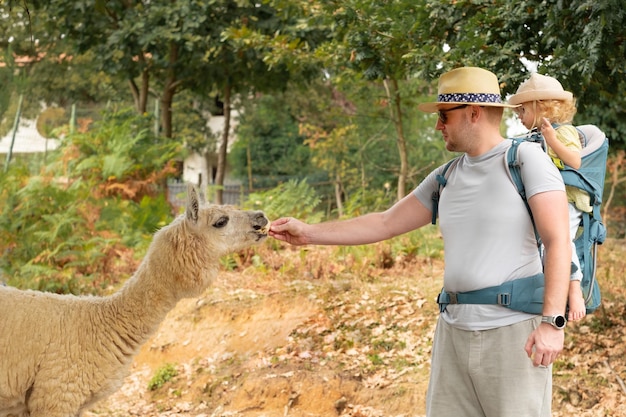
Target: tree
x,y
39,63
139,41
270,149
235,70
268,48
361,42
587,44
166,47
376,37
581,42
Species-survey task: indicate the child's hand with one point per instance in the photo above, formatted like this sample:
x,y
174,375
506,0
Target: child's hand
x,y
547,130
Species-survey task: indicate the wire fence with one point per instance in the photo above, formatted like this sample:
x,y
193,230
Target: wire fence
x,y
233,194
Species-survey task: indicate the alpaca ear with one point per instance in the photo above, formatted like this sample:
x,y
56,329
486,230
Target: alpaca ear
x,y
202,194
193,204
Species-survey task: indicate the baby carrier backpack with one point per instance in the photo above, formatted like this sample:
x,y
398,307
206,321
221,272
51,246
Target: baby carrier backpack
x,y
591,232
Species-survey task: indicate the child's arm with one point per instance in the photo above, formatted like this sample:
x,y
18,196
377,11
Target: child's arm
x,y
569,156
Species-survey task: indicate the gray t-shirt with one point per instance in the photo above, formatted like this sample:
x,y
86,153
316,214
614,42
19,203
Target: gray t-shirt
x,y
487,232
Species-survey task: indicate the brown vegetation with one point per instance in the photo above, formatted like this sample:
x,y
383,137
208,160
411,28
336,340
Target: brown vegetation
x,y
317,332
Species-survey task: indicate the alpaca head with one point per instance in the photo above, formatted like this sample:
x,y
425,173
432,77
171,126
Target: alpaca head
x,y
188,250
225,228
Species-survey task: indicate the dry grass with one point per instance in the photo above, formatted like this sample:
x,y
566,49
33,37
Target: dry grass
x,y
325,331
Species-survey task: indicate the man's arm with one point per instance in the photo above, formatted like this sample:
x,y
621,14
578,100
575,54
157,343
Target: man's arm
x,y
551,218
406,215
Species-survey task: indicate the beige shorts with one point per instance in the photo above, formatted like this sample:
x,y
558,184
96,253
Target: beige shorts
x,y
487,373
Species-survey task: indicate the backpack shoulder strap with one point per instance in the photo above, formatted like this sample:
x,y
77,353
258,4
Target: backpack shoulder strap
x,y
442,180
514,164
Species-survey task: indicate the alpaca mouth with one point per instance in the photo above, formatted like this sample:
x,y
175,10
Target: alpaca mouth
x,y
262,232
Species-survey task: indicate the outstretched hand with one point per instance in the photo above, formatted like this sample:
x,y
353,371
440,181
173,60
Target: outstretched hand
x,y
544,345
289,230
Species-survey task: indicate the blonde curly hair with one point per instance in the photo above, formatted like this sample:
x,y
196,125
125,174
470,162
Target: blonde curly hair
x,y
557,111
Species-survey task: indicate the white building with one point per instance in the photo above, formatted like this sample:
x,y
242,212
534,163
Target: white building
x,y
199,169
27,140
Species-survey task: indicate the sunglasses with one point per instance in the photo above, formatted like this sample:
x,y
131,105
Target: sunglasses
x,y
443,113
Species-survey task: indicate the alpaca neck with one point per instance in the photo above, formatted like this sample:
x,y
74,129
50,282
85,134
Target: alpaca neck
x,y
139,307
174,267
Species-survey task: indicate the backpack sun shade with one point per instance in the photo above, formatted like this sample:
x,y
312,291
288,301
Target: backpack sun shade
x,y
591,233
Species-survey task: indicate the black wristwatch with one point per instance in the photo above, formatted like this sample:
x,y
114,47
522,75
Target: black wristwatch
x,y
557,321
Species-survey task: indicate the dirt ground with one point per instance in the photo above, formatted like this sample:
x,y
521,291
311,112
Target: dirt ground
x,y
331,344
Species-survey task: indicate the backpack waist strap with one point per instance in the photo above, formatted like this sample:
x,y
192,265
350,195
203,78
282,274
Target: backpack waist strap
x,y
522,294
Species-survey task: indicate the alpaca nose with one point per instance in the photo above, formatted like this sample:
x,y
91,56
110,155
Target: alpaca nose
x,y
260,220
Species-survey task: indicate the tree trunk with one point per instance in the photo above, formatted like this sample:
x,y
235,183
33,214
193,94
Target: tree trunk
x,y
223,149
166,111
169,90
395,110
143,93
140,93
249,161
615,167
339,194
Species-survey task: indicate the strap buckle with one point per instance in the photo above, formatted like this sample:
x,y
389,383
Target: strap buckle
x,y
453,299
504,299
445,297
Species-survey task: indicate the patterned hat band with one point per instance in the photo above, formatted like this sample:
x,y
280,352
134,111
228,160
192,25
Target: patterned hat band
x,y
469,98
467,85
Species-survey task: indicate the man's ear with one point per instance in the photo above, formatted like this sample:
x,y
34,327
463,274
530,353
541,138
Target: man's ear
x,y
476,110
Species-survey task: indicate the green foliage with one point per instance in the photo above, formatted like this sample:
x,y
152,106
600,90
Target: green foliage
x,y
134,222
120,147
334,131
229,263
6,77
580,42
377,36
40,223
63,239
372,155
425,243
47,68
268,132
190,123
163,375
345,126
63,230
369,200
293,198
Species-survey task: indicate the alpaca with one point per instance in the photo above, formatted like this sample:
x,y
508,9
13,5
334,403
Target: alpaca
x,y
59,354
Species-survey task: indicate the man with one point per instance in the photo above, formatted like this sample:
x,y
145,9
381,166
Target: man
x,y
480,363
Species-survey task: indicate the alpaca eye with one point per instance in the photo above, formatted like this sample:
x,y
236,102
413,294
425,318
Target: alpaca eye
x,y
223,221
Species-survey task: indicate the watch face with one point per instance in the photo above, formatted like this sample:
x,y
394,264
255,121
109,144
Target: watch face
x,y
559,321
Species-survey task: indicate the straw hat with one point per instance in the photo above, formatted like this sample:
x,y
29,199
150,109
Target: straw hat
x,y
467,85
540,87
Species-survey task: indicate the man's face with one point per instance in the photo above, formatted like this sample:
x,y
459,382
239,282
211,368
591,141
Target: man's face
x,y
452,123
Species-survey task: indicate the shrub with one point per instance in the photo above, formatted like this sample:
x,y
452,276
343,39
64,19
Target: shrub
x,y
293,198
164,374
70,228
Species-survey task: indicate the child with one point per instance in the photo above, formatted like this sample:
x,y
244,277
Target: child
x,y
544,103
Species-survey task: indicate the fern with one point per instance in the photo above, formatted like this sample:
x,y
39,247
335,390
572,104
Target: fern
x,y
293,198
58,232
